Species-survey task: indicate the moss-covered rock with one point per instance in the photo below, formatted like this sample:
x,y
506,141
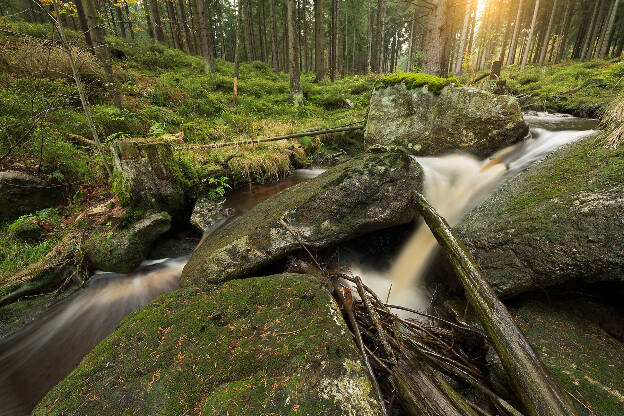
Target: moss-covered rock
x,y
147,176
437,119
368,193
258,346
25,228
21,193
417,80
122,250
560,220
585,359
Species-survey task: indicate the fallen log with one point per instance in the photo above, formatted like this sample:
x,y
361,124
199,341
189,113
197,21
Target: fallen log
x,y
534,385
273,139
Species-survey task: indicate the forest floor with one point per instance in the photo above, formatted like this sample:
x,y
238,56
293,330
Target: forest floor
x,y
165,94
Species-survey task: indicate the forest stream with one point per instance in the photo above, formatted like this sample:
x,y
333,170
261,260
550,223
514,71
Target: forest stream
x,y
33,360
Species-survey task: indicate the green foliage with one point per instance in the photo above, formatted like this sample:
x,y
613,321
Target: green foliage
x,y
217,187
417,80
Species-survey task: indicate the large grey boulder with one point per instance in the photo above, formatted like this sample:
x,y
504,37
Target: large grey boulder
x,y
122,250
368,193
146,175
21,193
209,214
561,220
458,119
273,345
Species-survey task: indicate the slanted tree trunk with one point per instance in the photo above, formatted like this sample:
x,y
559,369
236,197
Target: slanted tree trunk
x,y
187,30
462,40
546,39
160,34
81,92
274,55
514,40
527,49
433,54
296,96
609,29
101,47
379,38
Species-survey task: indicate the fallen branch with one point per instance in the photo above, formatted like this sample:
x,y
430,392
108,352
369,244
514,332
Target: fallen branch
x,y
80,140
534,385
273,139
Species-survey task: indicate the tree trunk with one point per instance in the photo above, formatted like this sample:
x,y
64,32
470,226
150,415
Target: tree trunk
x,y
237,51
120,20
205,39
369,58
588,45
274,56
462,40
333,55
221,30
187,29
561,41
296,96
101,47
379,37
160,34
607,35
530,38
81,93
173,25
345,51
83,24
128,19
433,54
306,57
546,39
514,40
249,44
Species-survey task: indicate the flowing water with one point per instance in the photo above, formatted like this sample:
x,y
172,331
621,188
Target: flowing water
x,y
36,358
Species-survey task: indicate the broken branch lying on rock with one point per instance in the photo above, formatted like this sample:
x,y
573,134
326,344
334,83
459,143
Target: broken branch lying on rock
x,y
536,388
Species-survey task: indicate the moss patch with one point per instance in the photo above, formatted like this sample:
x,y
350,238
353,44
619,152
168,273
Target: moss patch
x,y
417,80
258,346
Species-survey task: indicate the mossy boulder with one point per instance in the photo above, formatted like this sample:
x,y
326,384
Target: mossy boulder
x,y
585,359
26,228
21,193
368,193
147,176
122,250
560,220
257,346
441,118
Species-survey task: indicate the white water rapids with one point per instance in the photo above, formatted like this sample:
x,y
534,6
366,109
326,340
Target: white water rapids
x,y
36,358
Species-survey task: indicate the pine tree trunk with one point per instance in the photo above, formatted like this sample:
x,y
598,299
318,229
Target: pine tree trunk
x,y
369,58
205,39
588,45
530,38
345,50
333,40
173,25
239,11
563,36
609,30
506,37
514,40
101,47
434,40
546,39
249,41
462,40
473,21
160,34
381,29
274,56
296,95
187,29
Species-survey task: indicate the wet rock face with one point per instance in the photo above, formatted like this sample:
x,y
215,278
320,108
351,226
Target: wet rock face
x,y
256,346
368,193
146,175
209,214
122,251
458,119
561,220
21,193
585,359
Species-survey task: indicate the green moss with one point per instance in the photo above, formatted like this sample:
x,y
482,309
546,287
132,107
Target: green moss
x,y
120,189
259,346
417,80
